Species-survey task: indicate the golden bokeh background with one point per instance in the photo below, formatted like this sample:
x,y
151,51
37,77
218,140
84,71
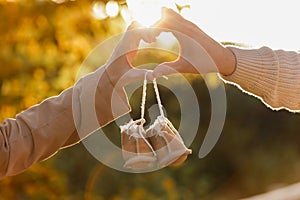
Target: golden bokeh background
x,y
43,44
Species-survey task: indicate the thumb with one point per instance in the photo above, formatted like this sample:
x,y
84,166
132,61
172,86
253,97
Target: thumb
x,y
133,75
168,68
139,74
165,69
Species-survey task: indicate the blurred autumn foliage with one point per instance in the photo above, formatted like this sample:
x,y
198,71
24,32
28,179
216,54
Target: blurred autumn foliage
x,y
43,45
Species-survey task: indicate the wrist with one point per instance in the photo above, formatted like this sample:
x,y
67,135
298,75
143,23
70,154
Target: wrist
x,y
112,72
223,57
228,64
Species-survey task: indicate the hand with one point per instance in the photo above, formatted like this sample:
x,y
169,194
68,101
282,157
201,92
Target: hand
x,y
119,67
199,53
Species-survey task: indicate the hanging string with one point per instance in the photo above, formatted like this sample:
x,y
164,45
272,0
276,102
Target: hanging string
x,y
144,96
158,98
162,117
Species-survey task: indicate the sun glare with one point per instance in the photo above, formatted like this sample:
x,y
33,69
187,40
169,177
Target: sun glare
x,y
112,8
147,12
126,15
99,10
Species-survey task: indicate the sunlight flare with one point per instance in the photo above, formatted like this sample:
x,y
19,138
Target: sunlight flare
x,y
147,12
112,8
126,15
99,10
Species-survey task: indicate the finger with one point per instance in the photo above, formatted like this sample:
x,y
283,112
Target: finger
x,y
172,21
129,44
169,68
139,74
136,31
133,38
168,12
134,25
149,35
134,75
168,18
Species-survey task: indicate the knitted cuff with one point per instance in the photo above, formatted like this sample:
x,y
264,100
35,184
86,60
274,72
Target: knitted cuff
x,y
288,82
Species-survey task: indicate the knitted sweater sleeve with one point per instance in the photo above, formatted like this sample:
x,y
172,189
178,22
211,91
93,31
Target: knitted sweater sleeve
x,y
272,76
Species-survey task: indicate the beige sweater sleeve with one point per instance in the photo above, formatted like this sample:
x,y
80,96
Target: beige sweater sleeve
x,y
43,129
272,76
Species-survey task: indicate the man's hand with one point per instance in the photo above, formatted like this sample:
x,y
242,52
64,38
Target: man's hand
x,y
119,67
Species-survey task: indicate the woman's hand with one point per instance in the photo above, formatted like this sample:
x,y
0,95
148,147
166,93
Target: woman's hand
x,y
199,53
119,68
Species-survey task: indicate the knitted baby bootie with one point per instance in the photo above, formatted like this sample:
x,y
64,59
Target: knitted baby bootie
x,y
136,150
165,139
167,143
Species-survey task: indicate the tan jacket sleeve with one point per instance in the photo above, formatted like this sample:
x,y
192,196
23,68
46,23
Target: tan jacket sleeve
x,y
43,129
272,76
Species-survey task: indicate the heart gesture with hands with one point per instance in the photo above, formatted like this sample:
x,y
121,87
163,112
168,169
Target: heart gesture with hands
x,y
199,53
